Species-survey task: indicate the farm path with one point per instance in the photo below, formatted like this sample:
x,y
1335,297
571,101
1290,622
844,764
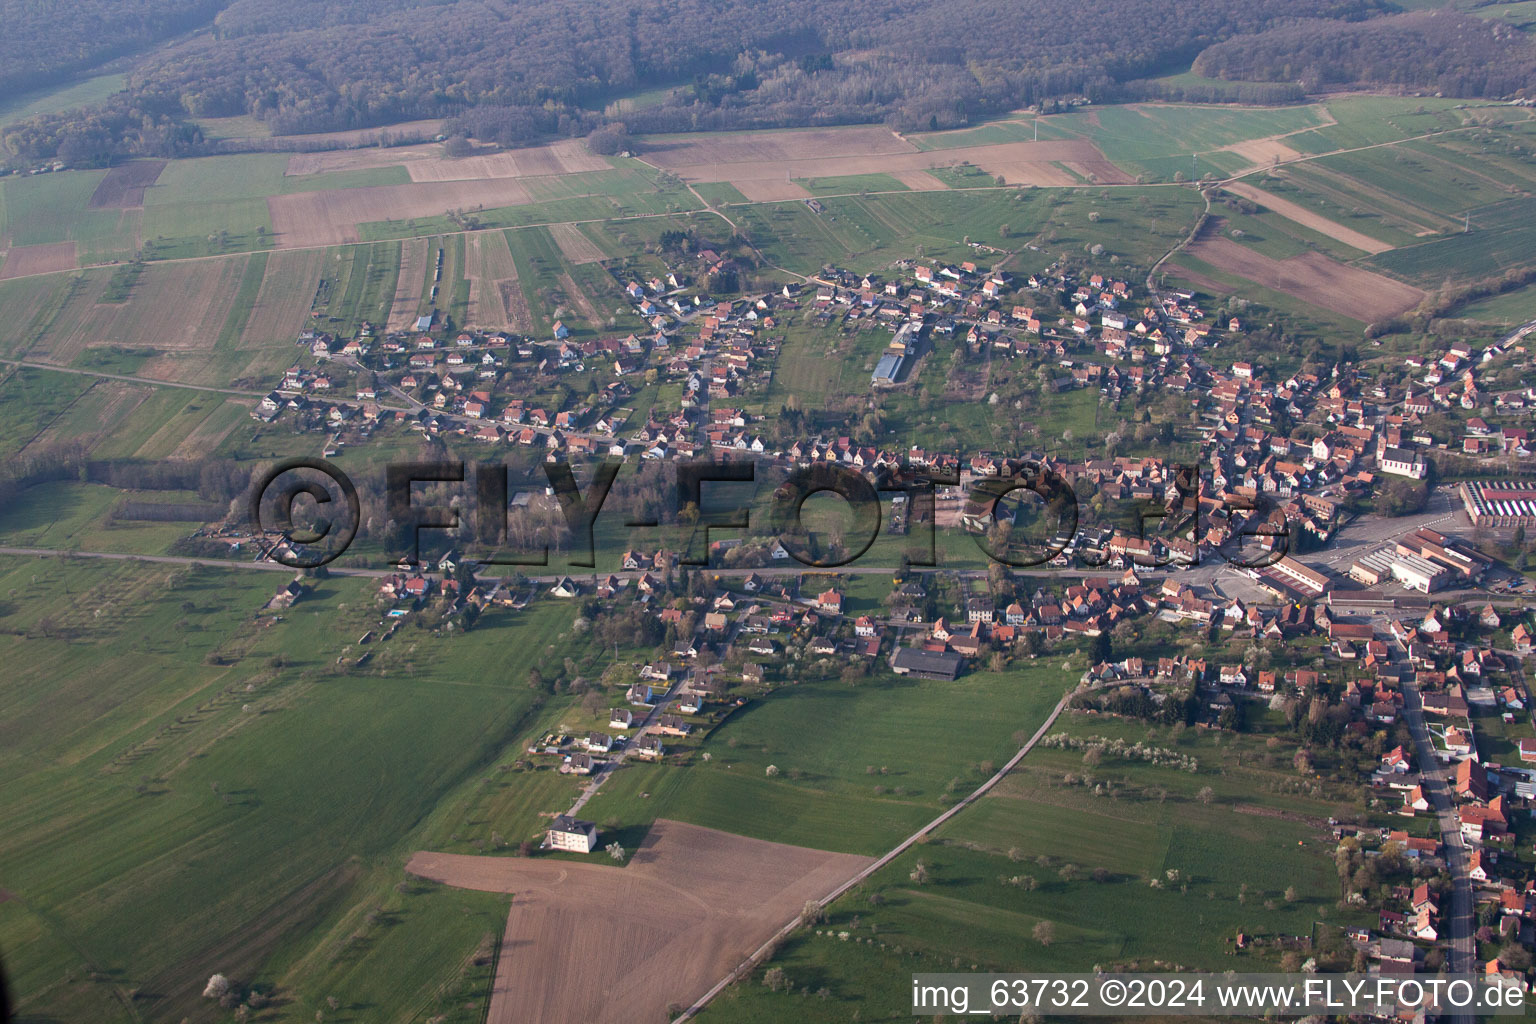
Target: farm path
x,y
152,381
751,962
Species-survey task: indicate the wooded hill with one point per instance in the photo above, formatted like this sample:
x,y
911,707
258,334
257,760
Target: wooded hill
x,y
543,66
1434,51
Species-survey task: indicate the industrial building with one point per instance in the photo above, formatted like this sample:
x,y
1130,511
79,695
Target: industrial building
x,y
1500,502
887,369
1411,571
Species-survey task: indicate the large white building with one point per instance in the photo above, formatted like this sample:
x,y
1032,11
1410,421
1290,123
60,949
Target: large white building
x,y
568,833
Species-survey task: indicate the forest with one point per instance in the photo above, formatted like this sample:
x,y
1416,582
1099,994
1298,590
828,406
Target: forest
x,y
540,67
45,41
1437,51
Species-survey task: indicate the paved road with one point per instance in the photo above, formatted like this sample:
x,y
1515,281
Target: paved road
x,y
209,563
630,745
1458,921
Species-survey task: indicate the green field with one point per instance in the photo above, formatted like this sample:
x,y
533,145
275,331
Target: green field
x,y
830,742
1162,140
56,99
1504,237
1091,850
1514,307
227,801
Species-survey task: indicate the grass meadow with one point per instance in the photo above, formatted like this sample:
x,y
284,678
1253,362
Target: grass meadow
x,y
859,766
192,788
1090,852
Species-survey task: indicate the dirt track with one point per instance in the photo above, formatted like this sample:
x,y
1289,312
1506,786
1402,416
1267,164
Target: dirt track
x,y
1308,218
594,942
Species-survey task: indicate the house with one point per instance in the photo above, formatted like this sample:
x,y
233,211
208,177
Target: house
x,y
621,718
650,748
598,743
830,601
287,595
1471,779
673,725
640,694
565,587
573,834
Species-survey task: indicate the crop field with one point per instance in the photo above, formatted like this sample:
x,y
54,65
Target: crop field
x,y
79,516
332,217
89,419
496,298
215,725
549,290
179,309
197,426
417,258
1502,238
1308,218
1513,307
125,184
358,282
281,306
575,245
427,162
1012,129
1372,120
1280,237
25,260
1161,140
774,160
29,400
623,942
1312,278
1080,854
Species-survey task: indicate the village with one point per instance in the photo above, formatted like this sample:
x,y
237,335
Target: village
x,y
1235,560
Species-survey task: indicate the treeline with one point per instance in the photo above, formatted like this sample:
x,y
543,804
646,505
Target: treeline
x,y
1440,51
1440,304
1255,94
545,67
45,41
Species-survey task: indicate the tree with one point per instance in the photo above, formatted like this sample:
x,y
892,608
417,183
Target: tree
x,y
775,979
216,988
1206,794
1044,932
616,852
